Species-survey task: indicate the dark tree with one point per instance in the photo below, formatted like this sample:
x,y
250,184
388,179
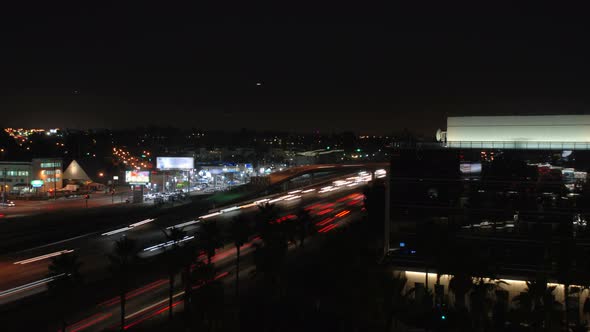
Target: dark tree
x,y
239,233
66,280
173,261
304,225
122,260
209,238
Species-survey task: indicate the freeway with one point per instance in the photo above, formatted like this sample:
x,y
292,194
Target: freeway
x,y
331,206
24,273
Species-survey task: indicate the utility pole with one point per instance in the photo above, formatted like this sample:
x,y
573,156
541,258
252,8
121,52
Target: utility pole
x,y
387,221
54,180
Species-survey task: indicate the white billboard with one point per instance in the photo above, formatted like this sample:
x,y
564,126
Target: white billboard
x,y
175,163
137,177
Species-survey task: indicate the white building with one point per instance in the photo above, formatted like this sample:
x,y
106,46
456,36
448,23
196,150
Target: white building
x,y
520,132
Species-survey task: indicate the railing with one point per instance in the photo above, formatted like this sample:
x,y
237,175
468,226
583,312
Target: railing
x,y
509,145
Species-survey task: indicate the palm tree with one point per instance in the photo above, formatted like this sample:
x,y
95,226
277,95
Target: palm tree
x,y
187,255
65,273
537,303
210,294
122,259
305,225
460,285
481,300
239,232
209,237
267,213
173,261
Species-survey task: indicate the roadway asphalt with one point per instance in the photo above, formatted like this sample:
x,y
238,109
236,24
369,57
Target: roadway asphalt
x,y
21,273
25,208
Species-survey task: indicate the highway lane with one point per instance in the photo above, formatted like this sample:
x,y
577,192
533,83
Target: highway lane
x,y
28,208
21,272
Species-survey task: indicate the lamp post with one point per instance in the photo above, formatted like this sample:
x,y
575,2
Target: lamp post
x,y
4,186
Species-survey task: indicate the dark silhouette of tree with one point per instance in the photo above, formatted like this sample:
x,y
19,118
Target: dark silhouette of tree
x,y
209,238
173,261
208,296
460,285
537,304
304,224
267,213
269,257
122,260
188,254
65,271
239,233
481,301
395,299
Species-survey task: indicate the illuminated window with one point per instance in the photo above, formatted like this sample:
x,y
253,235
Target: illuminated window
x,y
51,165
23,173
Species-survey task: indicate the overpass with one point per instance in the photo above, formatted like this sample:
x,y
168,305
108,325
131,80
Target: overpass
x,y
295,172
292,178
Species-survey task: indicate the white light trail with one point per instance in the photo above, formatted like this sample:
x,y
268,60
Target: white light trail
x,y
35,259
141,223
188,223
167,244
210,215
294,192
292,198
116,231
308,191
248,205
29,285
233,208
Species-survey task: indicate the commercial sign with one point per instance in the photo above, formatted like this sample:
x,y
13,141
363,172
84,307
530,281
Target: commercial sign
x,y
37,183
175,163
137,177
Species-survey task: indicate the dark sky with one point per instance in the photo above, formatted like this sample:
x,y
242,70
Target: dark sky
x,y
338,67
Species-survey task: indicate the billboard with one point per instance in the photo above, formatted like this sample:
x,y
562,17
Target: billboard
x,y
137,177
470,168
37,183
175,163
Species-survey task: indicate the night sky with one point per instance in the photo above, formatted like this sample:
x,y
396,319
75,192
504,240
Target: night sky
x,y
332,68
